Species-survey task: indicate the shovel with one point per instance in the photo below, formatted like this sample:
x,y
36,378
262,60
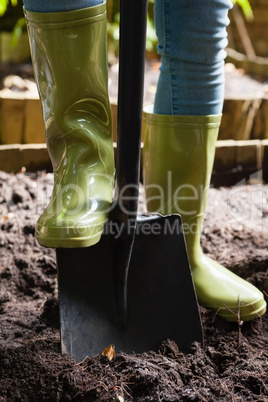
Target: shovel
x,y
134,288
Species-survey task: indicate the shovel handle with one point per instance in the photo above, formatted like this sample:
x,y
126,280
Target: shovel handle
x,y
133,19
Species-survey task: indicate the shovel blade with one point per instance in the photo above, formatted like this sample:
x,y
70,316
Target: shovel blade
x,y
161,300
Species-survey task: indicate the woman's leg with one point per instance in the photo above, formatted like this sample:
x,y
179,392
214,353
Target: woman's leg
x,y
180,138
192,37
44,6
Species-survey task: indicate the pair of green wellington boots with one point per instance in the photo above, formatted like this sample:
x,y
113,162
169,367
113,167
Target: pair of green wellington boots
x,y
70,63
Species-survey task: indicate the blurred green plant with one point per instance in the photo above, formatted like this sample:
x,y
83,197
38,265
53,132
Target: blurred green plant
x,y
245,6
113,34
17,31
4,4
151,38
19,25
113,17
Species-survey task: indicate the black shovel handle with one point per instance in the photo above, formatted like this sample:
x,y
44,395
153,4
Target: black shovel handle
x,y
133,19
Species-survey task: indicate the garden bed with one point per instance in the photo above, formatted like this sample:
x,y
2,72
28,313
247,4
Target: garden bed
x,y
232,365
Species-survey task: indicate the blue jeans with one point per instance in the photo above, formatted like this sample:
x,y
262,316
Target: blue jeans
x,y
192,37
44,6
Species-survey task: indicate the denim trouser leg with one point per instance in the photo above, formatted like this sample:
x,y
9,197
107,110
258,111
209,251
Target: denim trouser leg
x,y
50,6
192,37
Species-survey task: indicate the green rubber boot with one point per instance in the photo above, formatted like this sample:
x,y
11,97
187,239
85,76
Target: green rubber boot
x,y
70,64
178,160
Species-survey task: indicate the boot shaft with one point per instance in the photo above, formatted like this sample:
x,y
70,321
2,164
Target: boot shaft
x,y
70,64
69,56
178,160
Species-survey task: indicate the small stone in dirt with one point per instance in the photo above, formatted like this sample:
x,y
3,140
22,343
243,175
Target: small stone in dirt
x,y
17,196
21,263
29,229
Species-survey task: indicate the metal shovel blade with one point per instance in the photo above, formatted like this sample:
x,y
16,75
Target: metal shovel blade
x,y
161,301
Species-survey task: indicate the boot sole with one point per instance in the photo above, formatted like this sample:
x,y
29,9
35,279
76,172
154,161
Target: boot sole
x,y
68,238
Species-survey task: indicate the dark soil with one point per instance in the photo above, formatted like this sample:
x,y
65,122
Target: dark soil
x,y
232,365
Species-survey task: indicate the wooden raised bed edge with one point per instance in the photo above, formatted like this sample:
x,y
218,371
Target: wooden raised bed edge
x,y
235,161
243,118
241,153
253,65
